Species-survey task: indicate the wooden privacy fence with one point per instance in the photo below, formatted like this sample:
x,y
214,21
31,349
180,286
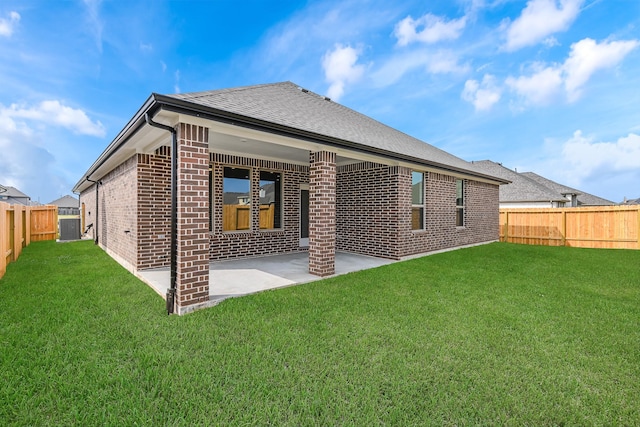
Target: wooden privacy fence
x,y
589,227
238,217
21,225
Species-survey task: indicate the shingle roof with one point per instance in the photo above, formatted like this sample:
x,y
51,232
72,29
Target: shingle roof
x,y
521,189
14,192
66,202
584,199
631,202
12,196
287,104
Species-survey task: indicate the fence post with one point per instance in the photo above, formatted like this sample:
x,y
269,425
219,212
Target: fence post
x,y
506,227
638,228
27,238
564,227
3,238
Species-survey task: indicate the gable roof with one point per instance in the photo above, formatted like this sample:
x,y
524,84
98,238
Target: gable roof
x,y
12,195
289,105
286,109
66,202
521,188
584,199
14,192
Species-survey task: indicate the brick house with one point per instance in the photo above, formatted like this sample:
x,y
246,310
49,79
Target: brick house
x,y
271,169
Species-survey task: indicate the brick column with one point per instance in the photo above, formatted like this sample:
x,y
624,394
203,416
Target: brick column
x,y
192,275
322,213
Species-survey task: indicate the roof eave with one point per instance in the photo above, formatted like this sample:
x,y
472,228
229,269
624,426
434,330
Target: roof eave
x,y
190,108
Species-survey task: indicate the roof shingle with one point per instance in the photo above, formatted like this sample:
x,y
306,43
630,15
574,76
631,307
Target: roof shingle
x,y
287,104
584,199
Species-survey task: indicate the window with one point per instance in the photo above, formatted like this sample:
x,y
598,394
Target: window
x,y
270,200
459,203
236,199
417,200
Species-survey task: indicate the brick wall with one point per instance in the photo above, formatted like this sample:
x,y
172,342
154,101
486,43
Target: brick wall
x,y
256,242
322,213
192,273
374,212
154,209
88,198
367,205
481,215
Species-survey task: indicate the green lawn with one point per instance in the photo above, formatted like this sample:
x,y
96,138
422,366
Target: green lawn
x,y
498,334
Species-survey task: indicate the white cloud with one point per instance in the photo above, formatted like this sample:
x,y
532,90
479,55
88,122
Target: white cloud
x,y
586,156
539,19
587,57
94,22
428,29
440,62
551,42
26,162
7,25
53,112
539,88
482,94
176,86
340,67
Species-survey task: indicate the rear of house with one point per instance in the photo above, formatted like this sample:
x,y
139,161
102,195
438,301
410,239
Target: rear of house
x,y
272,169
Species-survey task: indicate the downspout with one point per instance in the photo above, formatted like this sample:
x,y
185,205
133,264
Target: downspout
x,y
97,183
171,292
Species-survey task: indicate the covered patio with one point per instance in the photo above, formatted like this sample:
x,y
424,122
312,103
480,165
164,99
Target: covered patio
x,y
234,278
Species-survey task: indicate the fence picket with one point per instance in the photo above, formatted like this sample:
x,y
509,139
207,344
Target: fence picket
x,y
586,227
21,225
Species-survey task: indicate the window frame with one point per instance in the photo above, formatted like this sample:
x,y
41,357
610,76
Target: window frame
x,y
279,202
421,203
460,204
250,197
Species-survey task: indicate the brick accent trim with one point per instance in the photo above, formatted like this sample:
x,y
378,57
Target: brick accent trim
x,y
192,275
322,213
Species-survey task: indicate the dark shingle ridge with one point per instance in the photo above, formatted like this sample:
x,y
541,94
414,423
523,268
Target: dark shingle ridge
x,y
288,104
584,198
66,202
521,189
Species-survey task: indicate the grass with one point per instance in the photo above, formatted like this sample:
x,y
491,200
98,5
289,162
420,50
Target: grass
x,y
493,335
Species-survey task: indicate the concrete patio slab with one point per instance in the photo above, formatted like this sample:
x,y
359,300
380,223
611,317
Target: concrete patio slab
x,y
234,278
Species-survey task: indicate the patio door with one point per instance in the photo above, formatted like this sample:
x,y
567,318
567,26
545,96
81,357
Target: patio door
x,y
304,215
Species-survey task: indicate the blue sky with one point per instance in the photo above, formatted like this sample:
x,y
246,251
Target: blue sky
x,y
549,86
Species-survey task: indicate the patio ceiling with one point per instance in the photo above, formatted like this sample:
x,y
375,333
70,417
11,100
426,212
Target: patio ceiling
x,y
241,141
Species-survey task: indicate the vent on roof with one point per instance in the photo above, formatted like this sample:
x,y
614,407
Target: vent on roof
x,y
326,98
304,90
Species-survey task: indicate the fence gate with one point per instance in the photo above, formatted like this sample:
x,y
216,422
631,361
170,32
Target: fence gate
x,y
70,229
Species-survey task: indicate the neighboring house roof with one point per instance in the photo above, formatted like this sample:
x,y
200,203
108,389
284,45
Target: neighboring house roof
x,y
13,195
288,110
522,188
2,189
584,199
66,202
631,201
